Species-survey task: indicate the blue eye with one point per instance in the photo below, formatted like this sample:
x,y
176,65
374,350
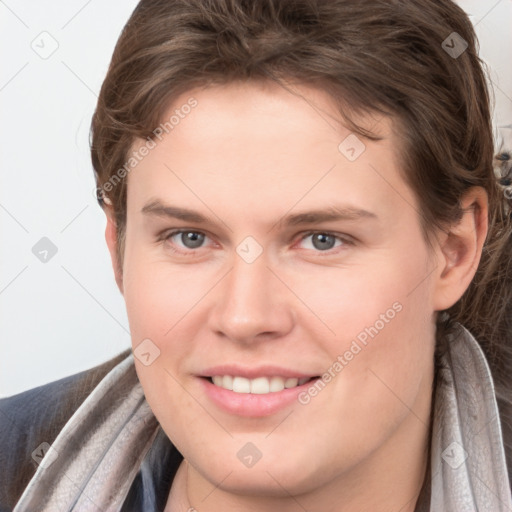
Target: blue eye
x,y
189,239
324,241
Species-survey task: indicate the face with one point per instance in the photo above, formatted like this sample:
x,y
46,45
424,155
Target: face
x,y
266,252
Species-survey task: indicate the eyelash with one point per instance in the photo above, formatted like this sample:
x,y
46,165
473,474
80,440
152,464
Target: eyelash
x,y
192,252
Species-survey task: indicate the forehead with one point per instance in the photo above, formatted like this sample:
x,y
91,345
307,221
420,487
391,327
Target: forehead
x,y
259,110
256,145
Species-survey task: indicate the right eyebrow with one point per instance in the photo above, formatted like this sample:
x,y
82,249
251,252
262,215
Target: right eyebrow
x,y
158,209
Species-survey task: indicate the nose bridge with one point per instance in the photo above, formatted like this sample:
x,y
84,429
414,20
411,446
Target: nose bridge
x,y
247,290
249,301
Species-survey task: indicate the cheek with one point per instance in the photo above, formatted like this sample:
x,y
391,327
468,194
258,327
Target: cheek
x,y
382,335
159,298
388,360
366,293
158,294
382,382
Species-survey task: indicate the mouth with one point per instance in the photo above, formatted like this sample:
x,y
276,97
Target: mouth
x,y
258,386
254,391
254,397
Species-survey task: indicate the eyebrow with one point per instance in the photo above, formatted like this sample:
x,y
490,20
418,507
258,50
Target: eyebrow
x,y
331,213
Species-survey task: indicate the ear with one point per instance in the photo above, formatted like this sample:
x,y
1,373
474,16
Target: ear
x,y
111,239
460,250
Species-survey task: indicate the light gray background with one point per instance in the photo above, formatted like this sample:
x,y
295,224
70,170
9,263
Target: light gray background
x,y
66,315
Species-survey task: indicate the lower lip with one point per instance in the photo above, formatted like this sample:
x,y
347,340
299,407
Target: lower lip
x,y
249,404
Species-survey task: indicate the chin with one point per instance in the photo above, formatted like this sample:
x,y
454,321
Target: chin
x,y
280,469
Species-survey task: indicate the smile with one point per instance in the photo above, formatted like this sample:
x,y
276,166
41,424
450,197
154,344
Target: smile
x,y
259,385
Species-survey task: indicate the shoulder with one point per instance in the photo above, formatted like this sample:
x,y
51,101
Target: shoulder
x,y
36,416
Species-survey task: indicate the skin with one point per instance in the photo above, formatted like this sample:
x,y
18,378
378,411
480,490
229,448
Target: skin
x,y
247,155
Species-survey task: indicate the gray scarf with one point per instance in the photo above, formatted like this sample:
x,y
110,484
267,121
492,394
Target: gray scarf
x,y
96,456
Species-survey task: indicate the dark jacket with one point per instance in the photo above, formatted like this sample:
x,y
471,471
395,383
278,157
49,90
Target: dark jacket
x,y
37,416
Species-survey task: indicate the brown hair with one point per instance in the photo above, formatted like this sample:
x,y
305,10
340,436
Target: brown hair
x,y
390,57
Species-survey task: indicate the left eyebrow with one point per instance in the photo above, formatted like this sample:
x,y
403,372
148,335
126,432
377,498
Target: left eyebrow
x,y
332,213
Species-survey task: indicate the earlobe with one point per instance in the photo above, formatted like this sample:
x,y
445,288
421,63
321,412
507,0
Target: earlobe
x,y
460,250
111,239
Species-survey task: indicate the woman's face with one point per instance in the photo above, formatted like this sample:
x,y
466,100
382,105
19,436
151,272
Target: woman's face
x,y
301,258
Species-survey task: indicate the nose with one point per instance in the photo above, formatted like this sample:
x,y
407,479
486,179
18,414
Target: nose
x,y
251,304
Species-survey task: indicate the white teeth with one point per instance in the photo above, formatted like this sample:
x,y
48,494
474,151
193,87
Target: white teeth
x,y
258,386
227,382
291,383
217,380
276,384
241,385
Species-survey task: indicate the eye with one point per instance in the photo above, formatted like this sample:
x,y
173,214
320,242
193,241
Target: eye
x,y
188,239
324,241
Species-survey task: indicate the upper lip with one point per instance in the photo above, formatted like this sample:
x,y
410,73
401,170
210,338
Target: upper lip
x,y
254,372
